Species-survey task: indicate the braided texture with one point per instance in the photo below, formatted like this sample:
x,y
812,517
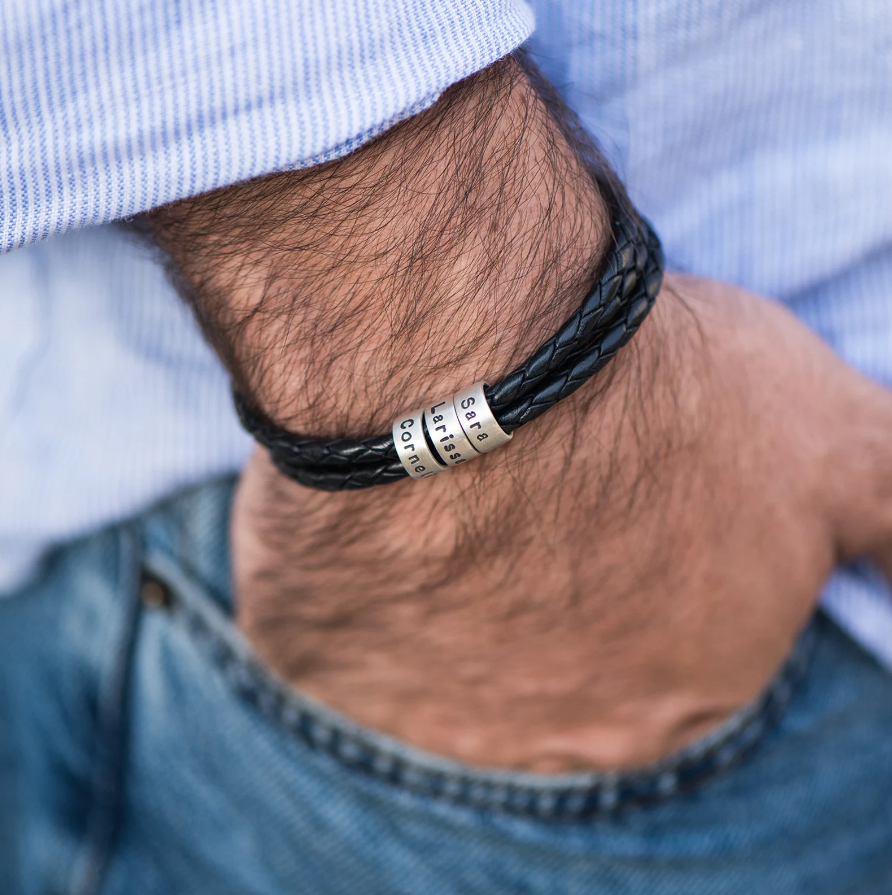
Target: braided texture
x,y
606,320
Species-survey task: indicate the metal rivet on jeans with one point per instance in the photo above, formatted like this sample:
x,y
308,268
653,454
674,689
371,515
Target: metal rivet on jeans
x,y
155,594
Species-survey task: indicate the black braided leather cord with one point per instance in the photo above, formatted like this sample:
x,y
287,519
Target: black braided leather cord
x,y
606,320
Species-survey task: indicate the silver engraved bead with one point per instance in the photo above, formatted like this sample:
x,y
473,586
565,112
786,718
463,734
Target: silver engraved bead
x,y
446,433
411,446
477,420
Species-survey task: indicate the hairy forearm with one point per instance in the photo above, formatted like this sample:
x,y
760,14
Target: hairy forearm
x,y
430,259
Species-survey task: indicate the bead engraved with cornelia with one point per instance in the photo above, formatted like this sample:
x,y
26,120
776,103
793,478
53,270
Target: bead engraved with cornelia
x,y
412,448
477,420
446,433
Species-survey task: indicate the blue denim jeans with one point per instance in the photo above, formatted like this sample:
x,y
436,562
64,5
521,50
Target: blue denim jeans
x,y
145,749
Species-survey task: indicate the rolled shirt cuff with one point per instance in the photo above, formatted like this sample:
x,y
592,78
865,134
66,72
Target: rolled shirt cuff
x,y
110,108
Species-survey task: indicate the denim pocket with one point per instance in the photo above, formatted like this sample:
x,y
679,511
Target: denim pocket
x,y
559,797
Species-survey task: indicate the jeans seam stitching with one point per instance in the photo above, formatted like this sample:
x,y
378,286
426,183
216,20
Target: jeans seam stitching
x,y
106,784
602,794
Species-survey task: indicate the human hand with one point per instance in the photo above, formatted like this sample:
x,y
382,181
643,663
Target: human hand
x,y
661,553
635,565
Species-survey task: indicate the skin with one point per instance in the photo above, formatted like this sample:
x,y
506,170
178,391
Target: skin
x,y
673,540
635,565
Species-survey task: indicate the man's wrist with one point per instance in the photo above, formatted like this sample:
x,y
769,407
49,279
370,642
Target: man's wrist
x,y
430,259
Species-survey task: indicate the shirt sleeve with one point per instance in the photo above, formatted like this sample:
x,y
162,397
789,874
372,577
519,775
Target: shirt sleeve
x,y
111,107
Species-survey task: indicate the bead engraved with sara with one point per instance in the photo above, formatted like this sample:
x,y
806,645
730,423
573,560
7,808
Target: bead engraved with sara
x,y
477,419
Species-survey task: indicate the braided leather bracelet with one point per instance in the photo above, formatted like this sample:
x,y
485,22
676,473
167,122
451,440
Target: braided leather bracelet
x,y
452,430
